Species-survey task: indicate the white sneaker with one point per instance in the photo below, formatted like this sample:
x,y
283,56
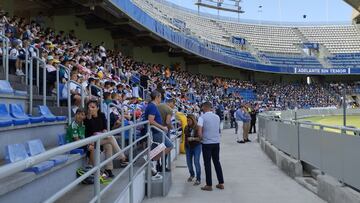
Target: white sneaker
x,y
19,73
156,177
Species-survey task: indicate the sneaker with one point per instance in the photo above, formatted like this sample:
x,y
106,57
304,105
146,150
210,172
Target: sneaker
x,y
241,141
123,164
19,73
153,171
220,186
197,182
109,173
207,188
190,179
157,177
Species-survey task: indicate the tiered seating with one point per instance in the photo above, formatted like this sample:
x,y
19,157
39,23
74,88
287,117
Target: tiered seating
x,y
5,88
293,60
266,38
337,39
17,152
48,116
349,60
202,27
246,56
16,111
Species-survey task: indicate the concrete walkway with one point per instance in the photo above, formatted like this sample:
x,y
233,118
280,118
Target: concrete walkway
x,y
250,177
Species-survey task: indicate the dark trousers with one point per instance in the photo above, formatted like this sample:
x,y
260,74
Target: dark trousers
x,y
212,151
233,123
252,126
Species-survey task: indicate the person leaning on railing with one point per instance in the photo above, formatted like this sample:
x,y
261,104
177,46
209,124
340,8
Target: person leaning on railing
x,y
95,123
153,115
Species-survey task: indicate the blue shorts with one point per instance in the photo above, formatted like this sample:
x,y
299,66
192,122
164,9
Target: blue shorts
x,y
158,137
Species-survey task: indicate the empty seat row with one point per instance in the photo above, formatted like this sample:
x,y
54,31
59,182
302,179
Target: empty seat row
x,y
17,116
19,152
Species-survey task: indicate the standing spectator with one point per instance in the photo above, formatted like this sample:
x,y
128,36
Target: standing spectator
x,y
232,117
209,131
166,113
246,125
193,149
153,115
253,114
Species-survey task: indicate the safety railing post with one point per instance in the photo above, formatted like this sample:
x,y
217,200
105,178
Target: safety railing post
x,y
57,87
26,65
69,101
131,172
31,89
149,175
163,164
97,173
122,125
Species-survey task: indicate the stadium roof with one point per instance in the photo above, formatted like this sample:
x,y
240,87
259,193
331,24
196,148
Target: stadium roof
x,y
354,3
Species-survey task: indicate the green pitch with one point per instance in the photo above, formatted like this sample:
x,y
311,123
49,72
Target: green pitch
x,y
353,120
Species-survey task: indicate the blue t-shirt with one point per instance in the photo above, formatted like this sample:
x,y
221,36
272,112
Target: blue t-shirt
x,y
152,109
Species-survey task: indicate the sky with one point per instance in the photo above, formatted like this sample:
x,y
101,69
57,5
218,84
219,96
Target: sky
x,y
286,10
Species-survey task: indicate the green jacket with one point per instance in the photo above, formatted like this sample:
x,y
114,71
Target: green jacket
x,y
75,131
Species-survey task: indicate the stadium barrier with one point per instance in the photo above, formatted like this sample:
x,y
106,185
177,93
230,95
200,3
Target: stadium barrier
x,y
5,58
334,153
13,168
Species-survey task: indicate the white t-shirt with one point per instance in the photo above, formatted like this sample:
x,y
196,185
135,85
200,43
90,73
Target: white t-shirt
x,y
13,54
210,122
73,87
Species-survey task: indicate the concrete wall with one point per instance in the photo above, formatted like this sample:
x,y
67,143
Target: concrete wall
x,y
7,5
146,55
95,36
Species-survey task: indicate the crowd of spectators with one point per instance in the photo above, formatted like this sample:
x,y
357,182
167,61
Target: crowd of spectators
x,y
124,80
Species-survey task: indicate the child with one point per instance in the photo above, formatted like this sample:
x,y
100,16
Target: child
x,y
76,131
193,149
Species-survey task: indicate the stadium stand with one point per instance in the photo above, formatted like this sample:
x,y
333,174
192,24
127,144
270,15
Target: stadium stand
x,y
282,42
123,81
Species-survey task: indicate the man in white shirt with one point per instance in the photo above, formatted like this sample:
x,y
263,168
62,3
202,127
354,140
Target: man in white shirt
x,y
209,131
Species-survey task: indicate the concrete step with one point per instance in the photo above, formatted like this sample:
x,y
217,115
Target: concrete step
x,y
309,183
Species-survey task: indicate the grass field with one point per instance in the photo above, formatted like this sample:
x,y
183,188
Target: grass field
x,y
353,120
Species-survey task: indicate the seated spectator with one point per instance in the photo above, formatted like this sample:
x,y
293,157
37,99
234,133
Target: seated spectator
x,y
95,123
76,131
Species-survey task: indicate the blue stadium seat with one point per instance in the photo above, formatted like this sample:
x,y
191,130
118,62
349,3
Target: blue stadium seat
x,y
5,87
17,111
49,117
36,147
17,152
5,116
62,141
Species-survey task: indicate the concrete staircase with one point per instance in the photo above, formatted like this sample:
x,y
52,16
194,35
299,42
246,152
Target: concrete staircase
x,y
18,83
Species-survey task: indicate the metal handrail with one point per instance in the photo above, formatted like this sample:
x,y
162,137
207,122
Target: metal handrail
x,y
163,164
321,126
69,97
96,169
29,79
67,70
122,121
101,94
39,60
5,56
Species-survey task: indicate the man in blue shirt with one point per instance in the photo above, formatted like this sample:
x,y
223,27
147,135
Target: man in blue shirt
x,y
242,118
153,115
